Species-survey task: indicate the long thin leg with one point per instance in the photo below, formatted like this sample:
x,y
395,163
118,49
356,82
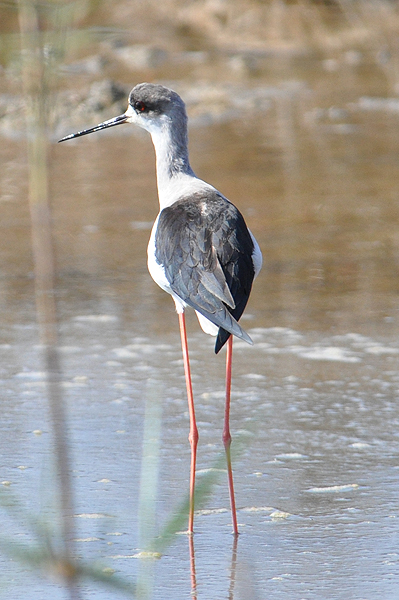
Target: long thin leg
x,y
193,435
226,433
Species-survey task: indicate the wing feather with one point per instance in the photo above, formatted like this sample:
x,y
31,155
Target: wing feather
x,y
205,249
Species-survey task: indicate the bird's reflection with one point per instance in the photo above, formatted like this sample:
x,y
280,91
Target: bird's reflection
x,y
233,567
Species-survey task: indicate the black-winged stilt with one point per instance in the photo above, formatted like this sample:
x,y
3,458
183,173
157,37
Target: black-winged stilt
x,y
200,251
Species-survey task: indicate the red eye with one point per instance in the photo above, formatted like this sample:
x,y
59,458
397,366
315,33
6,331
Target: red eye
x,y
139,106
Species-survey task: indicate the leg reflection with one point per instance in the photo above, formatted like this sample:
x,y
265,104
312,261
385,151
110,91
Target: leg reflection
x,y
233,568
192,567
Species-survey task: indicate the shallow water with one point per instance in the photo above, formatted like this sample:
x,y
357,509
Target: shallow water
x,y
315,413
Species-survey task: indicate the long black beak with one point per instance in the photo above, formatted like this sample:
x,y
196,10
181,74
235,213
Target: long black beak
x,y
110,123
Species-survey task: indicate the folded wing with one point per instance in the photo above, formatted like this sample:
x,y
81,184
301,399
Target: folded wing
x,y
205,249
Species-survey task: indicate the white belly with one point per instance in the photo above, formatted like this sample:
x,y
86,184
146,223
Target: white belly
x,y
157,271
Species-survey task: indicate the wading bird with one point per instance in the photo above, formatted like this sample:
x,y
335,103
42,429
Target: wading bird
x,y
200,250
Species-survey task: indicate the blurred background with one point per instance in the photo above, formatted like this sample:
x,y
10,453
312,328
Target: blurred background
x,y
294,116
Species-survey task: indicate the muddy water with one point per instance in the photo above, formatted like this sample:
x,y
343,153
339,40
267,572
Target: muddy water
x,y
314,169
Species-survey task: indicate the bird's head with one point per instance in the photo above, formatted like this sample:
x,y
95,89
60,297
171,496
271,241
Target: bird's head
x,y
151,106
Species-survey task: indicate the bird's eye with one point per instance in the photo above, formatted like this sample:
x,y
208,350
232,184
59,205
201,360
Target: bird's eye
x,y
139,106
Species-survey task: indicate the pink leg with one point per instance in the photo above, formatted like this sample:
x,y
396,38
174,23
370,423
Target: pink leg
x,y
193,435
226,433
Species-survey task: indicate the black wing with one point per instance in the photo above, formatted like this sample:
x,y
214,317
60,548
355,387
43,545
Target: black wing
x,y
206,250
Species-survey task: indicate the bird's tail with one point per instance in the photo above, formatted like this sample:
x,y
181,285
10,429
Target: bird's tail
x,y
227,324
224,335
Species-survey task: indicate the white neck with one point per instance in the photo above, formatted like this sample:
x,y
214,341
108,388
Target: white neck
x,y
175,177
